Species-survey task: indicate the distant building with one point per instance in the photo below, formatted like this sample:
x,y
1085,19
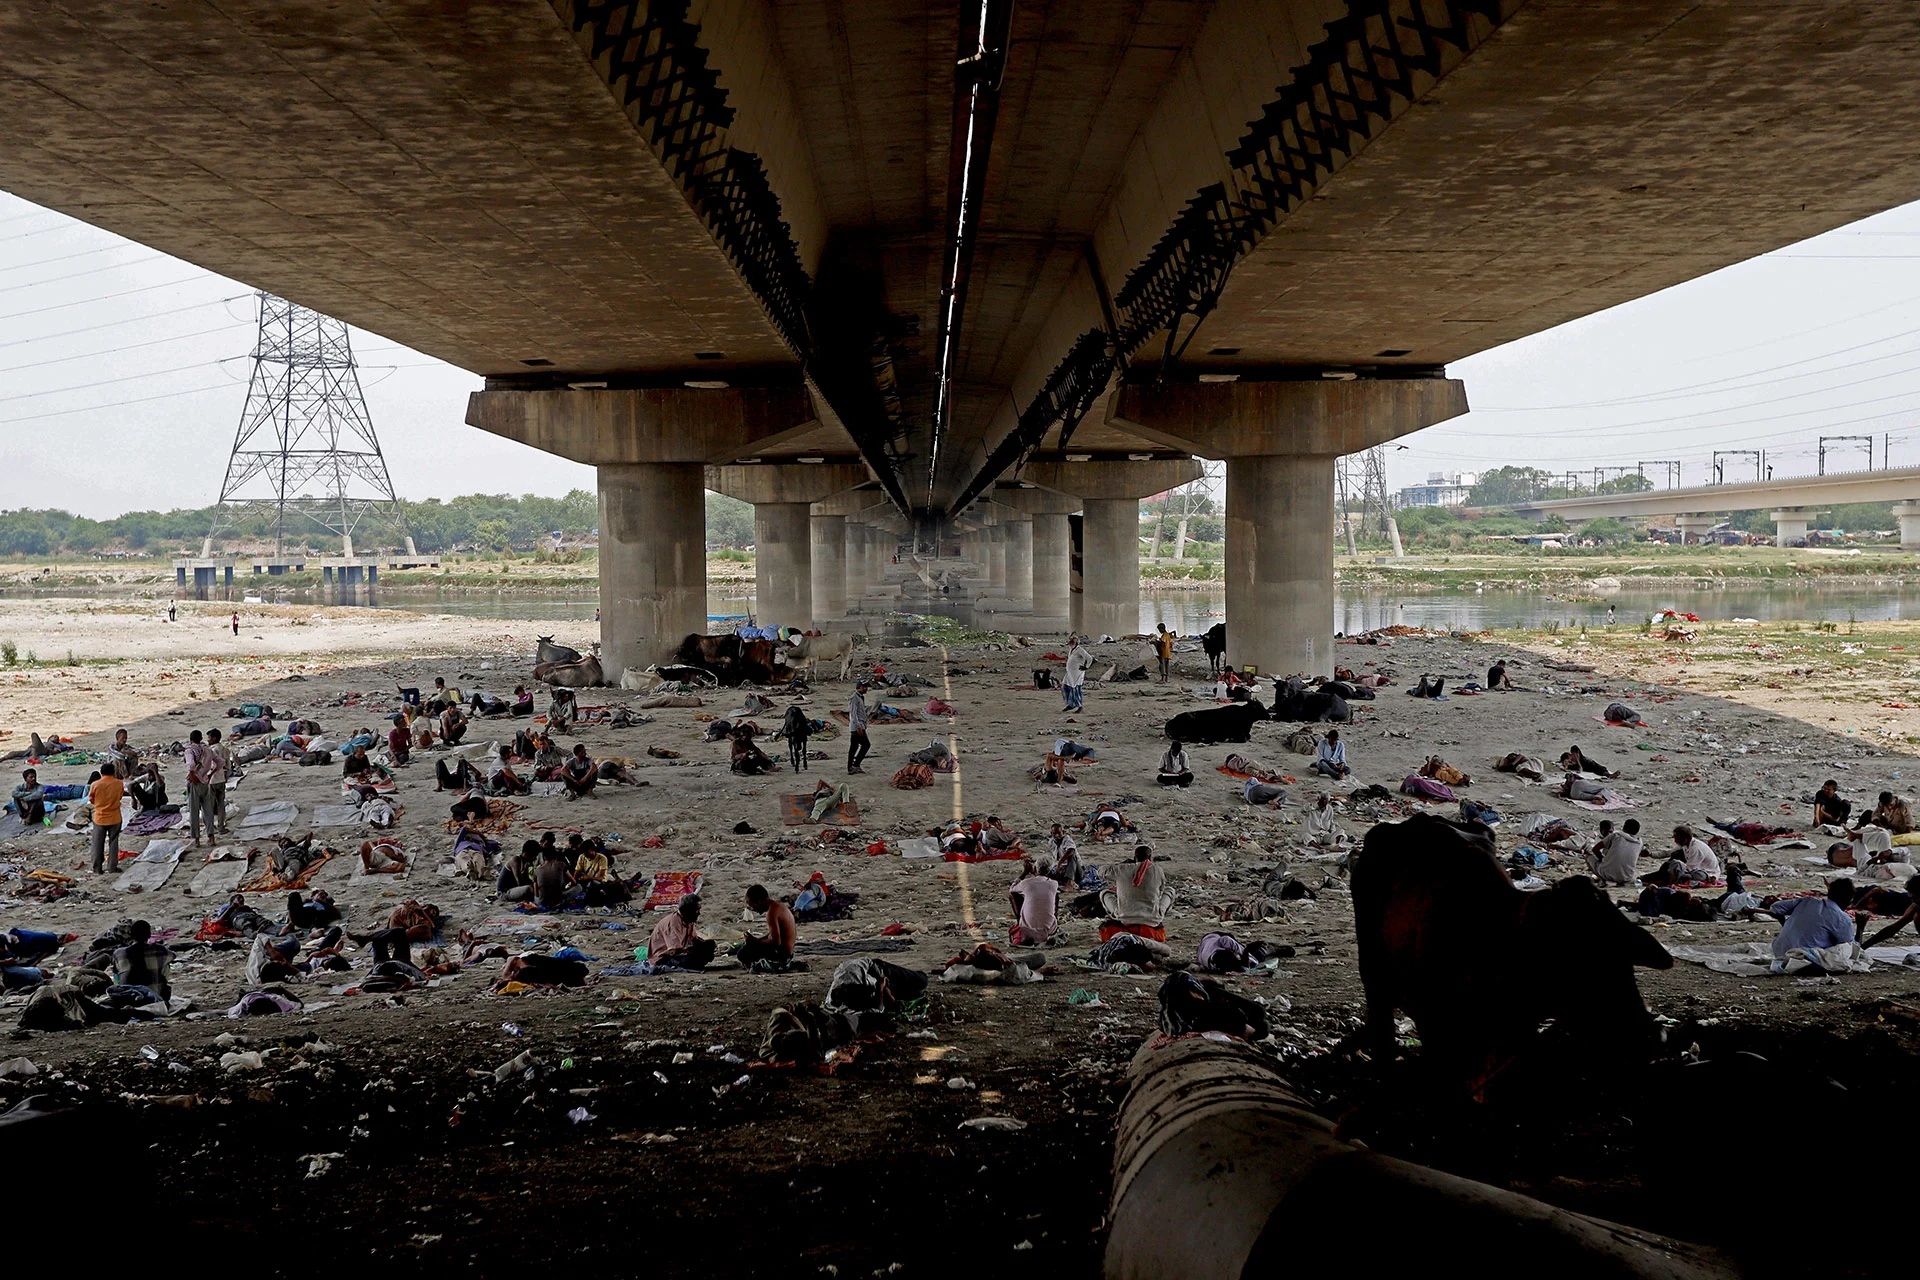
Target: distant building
x,y
1441,490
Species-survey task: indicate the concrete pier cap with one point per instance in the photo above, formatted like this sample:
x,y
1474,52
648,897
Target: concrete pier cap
x,y
1790,525
650,447
1908,516
1280,439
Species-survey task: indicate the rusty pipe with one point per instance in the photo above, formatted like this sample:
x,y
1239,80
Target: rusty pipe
x,y
1221,1170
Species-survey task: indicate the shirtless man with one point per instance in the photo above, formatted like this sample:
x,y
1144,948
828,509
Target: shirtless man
x,y
782,932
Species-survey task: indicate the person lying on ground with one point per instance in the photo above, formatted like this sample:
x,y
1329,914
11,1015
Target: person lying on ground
x,y
30,798
1830,808
453,726
1174,770
485,704
1142,895
580,774
1810,924
382,857
470,807
552,879
522,702
994,835
1066,856
140,969
400,742
290,858
776,945
316,912
1578,761
617,771
1690,861
676,942
1036,908
1911,916
1110,824
958,837
1615,856
1497,677
1268,794
1865,847
1068,749
504,781
516,874
455,773
19,953
1890,813
1331,758
537,970
1052,771
746,758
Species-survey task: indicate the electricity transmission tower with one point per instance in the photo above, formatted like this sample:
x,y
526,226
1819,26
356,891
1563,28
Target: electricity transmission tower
x,y
1368,472
305,447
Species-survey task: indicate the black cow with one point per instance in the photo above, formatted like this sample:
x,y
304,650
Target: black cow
x,y
1215,643
1479,964
730,659
1231,723
1315,706
1351,692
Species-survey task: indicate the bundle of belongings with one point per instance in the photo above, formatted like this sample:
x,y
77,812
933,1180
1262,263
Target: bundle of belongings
x,y
913,777
987,965
1270,903
1425,788
936,757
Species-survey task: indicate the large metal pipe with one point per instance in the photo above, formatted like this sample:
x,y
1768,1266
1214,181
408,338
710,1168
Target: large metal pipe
x,y
1221,1170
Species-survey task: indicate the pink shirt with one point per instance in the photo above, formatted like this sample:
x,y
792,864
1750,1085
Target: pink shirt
x,y
1039,905
671,934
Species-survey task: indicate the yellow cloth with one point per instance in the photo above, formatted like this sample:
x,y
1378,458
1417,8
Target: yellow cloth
x,y
104,795
1906,838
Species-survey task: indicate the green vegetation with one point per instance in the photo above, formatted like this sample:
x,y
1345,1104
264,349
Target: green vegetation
x,y
937,629
9,652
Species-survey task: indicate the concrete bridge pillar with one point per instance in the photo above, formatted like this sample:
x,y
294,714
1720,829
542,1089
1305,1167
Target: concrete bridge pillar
x,y
829,567
856,561
1693,528
1280,440
1050,583
782,496
1790,525
1110,493
1020,560
649,447
1908,514
996,560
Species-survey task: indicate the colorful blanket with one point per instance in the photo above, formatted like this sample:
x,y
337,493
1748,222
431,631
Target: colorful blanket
x,y
269,881
797,811
671,886
499,818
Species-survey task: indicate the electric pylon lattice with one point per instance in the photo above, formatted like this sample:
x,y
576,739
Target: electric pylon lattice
x,y
305,448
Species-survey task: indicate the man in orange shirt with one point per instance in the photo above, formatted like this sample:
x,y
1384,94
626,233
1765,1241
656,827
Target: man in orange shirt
x,y
104,795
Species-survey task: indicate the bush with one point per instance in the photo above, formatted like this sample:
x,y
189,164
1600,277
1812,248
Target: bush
x,y
9,652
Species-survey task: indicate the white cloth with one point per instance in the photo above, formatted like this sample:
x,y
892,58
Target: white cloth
x,y
1077,663
1616,858
1702,862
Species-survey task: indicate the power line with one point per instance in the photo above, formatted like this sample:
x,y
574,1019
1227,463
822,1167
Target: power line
x,y
126,346
66,257
81,302
109,324
107,382
116,404
75,275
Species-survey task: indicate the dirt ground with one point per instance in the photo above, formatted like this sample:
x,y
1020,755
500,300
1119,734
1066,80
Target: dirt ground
x,y
703,1164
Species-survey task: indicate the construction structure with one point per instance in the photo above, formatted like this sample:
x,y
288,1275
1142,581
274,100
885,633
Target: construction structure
x,y
305,451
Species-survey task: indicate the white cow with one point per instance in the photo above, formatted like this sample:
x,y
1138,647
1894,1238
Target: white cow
x,y
808,650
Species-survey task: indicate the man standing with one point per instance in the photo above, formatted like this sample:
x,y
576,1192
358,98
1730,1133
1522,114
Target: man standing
x,y
104,795
173,610
857,743
236,625
200,763
217,782
1163,650
1073,683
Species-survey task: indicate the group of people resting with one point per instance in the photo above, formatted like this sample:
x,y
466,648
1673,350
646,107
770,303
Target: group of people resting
x,y
579,874
1137,903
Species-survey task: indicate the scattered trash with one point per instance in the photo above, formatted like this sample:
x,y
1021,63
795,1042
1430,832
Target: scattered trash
x,y
321,1165
580,1115
522,1061
1091,999
681,1059
959,1082
18,1067
998,1124
233,1063
511,1029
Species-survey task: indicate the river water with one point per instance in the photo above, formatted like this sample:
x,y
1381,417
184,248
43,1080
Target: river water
x,y
1191,611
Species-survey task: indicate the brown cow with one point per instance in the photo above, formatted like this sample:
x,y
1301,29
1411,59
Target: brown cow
x,y
732,660
1479,965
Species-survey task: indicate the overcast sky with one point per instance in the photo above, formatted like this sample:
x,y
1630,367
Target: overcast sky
x,y
123,372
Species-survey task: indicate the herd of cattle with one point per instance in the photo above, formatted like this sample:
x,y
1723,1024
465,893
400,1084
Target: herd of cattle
x,y
729,659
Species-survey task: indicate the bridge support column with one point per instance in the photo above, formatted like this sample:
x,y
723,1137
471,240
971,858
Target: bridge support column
x,y
1790,525
653,561
1110,493
1052,582
855,554
997,560
1694,528
1280,440
649,446
1908,514
1020,561
782,496
829,567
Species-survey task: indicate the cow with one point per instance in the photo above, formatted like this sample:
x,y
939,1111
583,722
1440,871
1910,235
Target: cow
x,y
1215,643
731,660
584,674
551,652
1351,692
1315,706
808,651
1478,965
1231,723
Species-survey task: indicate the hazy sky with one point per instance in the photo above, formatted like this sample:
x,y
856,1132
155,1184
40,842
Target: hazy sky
x,y
123,372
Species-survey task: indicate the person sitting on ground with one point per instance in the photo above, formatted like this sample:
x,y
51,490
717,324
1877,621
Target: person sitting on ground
x,y
1321,828
1331,759
547,758
1911,916
1068,749
410,923
126,760
1174,769
1109,823
590,864
1142,896
522,702
140,969
580,773
148,788
316,912
357,765
995,836
1615,856
30,798
504,781
796,728
775,948
382,857
455,773
442,696
1036,907
1066,857
516,874
562,711
552,879
1691,861
746,758
453,725
400,742
1580,762
1497,677
1890,813
676,943
1813,924
1829,807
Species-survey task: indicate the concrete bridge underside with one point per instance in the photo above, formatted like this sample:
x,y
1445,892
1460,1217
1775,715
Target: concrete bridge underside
x,y
953,251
